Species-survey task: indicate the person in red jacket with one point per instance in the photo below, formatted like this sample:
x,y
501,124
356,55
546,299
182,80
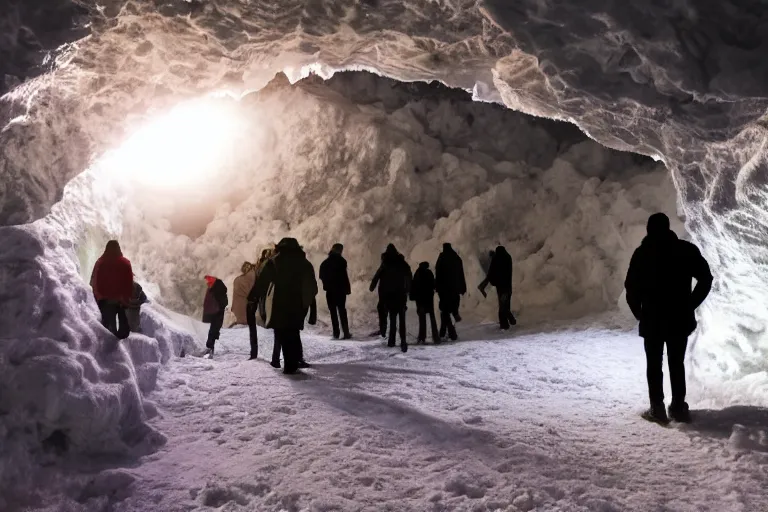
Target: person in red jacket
x,y
214,306
112,283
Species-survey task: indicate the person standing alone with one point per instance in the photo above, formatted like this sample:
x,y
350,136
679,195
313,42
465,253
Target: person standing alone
x,y
658,286
450,285
333,274
423,294
214,306
112,283
394,281
287,283
500,276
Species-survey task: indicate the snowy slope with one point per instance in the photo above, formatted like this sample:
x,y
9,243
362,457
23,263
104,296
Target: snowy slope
x,y
540,421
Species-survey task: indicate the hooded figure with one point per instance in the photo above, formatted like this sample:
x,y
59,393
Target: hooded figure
x,y
394,281
659,294
112,283
450,286
288,283
423,294
240,289
333,274
214,306
500,276
133,310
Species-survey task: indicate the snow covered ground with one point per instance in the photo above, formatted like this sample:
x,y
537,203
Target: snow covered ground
x,y
542,420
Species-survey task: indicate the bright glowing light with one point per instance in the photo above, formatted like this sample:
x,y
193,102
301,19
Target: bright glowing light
x,y
182,149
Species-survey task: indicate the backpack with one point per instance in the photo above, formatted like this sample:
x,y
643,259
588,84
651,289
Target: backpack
x,y
265,306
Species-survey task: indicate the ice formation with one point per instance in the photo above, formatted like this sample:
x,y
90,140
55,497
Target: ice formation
x,y
683,83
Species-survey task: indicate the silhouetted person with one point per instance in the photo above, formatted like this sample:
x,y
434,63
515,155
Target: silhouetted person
x,y
659,294
112,283
288,281
133,309
252,305
394,281
500,277
381,310
423,294
214,307
450,286
333,274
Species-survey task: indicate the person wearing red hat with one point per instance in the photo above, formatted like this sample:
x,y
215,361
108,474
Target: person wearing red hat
x,y
112,283
214,307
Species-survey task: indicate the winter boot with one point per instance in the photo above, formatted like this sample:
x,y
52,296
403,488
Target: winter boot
x,y
347,336
680,412
304,364
275,364
253,356
404,346
656,414
208,354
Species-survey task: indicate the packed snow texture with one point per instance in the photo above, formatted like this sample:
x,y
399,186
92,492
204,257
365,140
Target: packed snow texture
x,y
545,421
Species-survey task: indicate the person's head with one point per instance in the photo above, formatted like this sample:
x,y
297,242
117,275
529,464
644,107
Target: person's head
x,y
447,247
337,248
287,245
391,249
424,264
500,249
246,267
658,224
210,280
113,248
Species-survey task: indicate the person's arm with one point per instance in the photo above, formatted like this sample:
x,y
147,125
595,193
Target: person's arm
x,y
463,281
376,278
633,285
347,284
702,274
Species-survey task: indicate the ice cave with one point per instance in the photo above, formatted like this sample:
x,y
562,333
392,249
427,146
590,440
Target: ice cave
x,y
197,132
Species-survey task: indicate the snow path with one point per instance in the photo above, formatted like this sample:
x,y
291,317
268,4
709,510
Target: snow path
x,y
541,421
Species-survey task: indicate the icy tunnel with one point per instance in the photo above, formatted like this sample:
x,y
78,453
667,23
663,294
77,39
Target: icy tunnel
x,y
196,132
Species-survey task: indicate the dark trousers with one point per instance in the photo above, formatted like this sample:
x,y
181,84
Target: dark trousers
x,y
396,311
505,308
113,317
424,309
214,330
277,347
381,308
289,340
654,355
449,305
337,305
250,316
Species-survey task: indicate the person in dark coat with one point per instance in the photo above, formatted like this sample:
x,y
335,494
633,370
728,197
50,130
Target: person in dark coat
x,y
333,274
214,306
450,286
133,309
658,286
295,289
112,283
394,281
500,277
423,294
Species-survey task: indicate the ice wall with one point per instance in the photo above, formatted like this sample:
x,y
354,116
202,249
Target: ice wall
x,y
364,161
68,388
